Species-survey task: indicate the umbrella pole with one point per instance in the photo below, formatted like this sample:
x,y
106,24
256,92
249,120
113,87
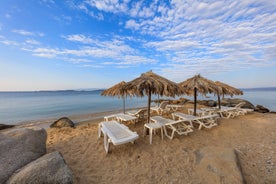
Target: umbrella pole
x,y
195,90
219,101
149,99
124,105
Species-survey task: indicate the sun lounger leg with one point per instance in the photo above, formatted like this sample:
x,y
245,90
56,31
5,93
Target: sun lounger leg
x,y
106,143
191,124
200,124
165,131
99,130
172,134
150,137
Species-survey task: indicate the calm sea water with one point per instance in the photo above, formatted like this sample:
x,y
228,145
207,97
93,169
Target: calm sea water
x,y
16,107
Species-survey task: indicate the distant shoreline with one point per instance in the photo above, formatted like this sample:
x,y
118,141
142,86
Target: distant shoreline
x,y
102,89
77,119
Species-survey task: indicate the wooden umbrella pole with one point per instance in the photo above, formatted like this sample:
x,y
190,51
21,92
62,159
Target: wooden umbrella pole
x,y
149,100
195,92
219,101
124,101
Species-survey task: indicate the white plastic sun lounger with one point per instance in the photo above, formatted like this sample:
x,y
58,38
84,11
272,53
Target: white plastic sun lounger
x,y
229,112
179,126
116,133
121,117
200,112
207,121
137,112
161,108
174,107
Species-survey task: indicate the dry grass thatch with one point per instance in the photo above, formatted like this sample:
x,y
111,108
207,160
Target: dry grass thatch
x,y
116,90
198,84
201,84
225,89
151,83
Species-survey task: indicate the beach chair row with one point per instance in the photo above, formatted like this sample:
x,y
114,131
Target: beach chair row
x,y
117,133
183,124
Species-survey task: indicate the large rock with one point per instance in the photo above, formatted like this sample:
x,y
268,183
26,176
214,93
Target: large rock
x,y
63,122
211,103
50,168
231,102
18,147
261,109
217,165
3,126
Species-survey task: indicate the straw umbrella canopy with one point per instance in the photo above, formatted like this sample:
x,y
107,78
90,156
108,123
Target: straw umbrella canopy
x,y
225,89
198,84
117,90
150,83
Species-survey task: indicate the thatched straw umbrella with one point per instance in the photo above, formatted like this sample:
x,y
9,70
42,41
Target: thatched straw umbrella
x,y
225,89
116,90
150,83
198,84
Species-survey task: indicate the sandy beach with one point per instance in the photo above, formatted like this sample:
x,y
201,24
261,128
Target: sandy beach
x,y
253,136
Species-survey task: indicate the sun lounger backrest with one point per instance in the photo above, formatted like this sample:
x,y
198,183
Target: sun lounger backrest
x,y
163,104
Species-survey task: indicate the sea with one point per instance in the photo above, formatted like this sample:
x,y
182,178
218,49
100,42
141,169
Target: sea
x,y
22,107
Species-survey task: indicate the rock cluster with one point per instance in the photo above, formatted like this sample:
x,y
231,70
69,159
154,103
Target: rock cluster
x,y
23,158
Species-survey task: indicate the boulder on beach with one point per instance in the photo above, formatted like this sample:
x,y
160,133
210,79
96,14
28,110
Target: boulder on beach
x,y
3,126
19,147
214,165
261,109
62,122
209,103
231,102
50,168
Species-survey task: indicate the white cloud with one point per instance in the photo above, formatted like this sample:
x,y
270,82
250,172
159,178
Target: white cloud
x,y
32,42
78,38
113,6
243,34
48,1
174,45
23,32
9,42
27,33
98,16
7,15
63,19
115,50
132,24
45,52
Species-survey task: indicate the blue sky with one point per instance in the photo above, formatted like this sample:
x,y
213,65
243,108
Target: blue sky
x,y
52,45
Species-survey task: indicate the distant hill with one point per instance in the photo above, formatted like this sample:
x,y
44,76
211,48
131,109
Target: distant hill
x,y
260,89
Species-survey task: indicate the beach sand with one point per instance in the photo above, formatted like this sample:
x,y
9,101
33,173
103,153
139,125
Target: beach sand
x,y
168,161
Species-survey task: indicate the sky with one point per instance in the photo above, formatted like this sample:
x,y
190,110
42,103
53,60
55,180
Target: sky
x,y
74,44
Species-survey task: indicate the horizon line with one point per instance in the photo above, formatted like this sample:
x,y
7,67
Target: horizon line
x,y
97,89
